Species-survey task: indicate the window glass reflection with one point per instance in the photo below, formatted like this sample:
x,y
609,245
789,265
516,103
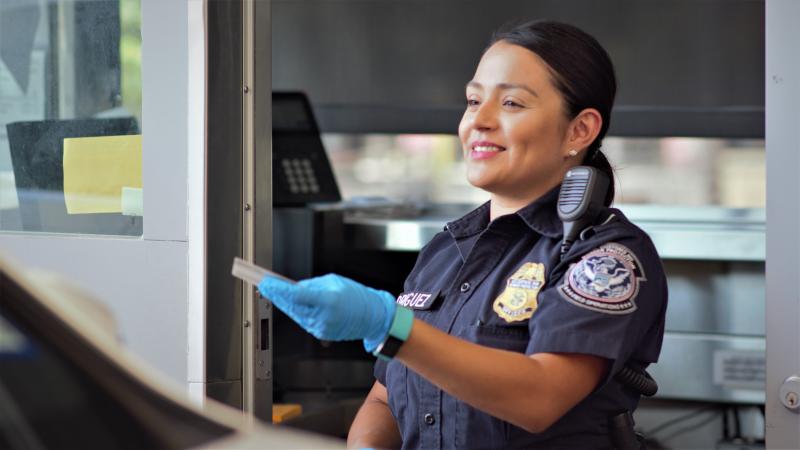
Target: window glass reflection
x,y
70,110
660,171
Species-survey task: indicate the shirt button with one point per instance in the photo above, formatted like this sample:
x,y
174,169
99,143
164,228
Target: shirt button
x,y
429,419
465,287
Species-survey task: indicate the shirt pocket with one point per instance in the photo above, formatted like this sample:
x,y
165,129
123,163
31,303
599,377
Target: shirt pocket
x,y
505,337
396,386
474,428
477,430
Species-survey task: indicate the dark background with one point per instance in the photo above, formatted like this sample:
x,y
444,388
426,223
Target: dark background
x,y
685,67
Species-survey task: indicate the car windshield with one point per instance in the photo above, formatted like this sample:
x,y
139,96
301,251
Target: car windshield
x,y
58,391
46,402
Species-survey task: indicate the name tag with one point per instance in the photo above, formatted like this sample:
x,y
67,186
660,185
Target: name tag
x,y
417,300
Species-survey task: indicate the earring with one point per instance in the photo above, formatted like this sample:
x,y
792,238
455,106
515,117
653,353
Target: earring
x,y
573,152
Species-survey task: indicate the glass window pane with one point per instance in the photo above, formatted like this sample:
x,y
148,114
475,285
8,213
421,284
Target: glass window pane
x,y
416,168
70,114
658,171
689,171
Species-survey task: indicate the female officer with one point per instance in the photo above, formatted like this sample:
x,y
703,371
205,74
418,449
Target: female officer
x,y
498,341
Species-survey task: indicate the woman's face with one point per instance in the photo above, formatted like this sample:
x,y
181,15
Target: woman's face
x,y
513,132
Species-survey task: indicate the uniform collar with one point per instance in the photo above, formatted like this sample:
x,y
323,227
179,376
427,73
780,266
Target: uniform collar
x,y
541,216
469,224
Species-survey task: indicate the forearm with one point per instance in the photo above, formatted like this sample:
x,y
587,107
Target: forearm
x,y
531,392
507,385
374,426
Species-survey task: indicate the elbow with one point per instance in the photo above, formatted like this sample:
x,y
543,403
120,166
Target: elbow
x,y
539,422
536,428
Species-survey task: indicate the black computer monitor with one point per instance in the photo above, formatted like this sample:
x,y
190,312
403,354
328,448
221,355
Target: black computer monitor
x,y
37,154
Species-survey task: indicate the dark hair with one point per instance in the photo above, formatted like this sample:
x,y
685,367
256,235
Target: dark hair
x,y
582,71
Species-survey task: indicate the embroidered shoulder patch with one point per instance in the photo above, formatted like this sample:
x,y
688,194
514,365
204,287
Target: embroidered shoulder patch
x,y
519,299
604,280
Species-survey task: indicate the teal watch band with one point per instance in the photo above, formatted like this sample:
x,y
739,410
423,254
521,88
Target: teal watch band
x,y
398,334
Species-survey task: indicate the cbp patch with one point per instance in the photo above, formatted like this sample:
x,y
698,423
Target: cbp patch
x,y
518,301
604,280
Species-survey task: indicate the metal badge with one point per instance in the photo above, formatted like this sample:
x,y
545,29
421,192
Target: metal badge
x,y
519,300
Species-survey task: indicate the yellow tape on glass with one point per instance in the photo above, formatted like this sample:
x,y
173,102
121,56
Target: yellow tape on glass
x,y
96,169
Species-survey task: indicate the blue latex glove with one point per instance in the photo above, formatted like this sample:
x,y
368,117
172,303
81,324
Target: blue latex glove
x,y
334,308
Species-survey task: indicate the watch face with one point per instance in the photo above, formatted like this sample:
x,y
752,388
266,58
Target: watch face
x,y
389,347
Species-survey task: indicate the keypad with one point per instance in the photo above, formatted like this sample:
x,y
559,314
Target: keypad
x,y
300,176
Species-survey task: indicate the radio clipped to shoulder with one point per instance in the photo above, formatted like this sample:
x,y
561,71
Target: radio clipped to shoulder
x,y
580,201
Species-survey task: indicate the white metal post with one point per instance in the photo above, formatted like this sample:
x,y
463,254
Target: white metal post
x,y
783,221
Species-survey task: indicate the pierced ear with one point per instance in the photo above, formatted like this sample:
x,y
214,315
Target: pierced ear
x,y
585,128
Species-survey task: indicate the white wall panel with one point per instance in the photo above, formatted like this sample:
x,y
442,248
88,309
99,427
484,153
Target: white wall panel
x,y
142,282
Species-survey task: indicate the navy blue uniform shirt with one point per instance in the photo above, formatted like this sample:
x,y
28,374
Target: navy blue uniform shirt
x,y
503,284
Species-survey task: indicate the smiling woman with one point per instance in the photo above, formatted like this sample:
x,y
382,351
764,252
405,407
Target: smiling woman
x,y
538,105
517,140
546,94
514,344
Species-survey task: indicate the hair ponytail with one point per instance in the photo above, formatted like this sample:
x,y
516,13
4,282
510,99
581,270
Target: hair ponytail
x,y
598,160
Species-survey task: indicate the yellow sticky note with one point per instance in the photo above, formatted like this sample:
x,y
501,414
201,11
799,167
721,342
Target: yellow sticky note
x,y
97,168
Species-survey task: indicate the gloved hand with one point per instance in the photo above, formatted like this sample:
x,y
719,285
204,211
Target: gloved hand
x,y
334,308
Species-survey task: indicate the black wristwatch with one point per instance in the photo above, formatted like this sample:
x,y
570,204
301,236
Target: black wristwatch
x,y
398,334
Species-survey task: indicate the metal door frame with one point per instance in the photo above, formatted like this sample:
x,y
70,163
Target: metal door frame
x,y
783,217
239,202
